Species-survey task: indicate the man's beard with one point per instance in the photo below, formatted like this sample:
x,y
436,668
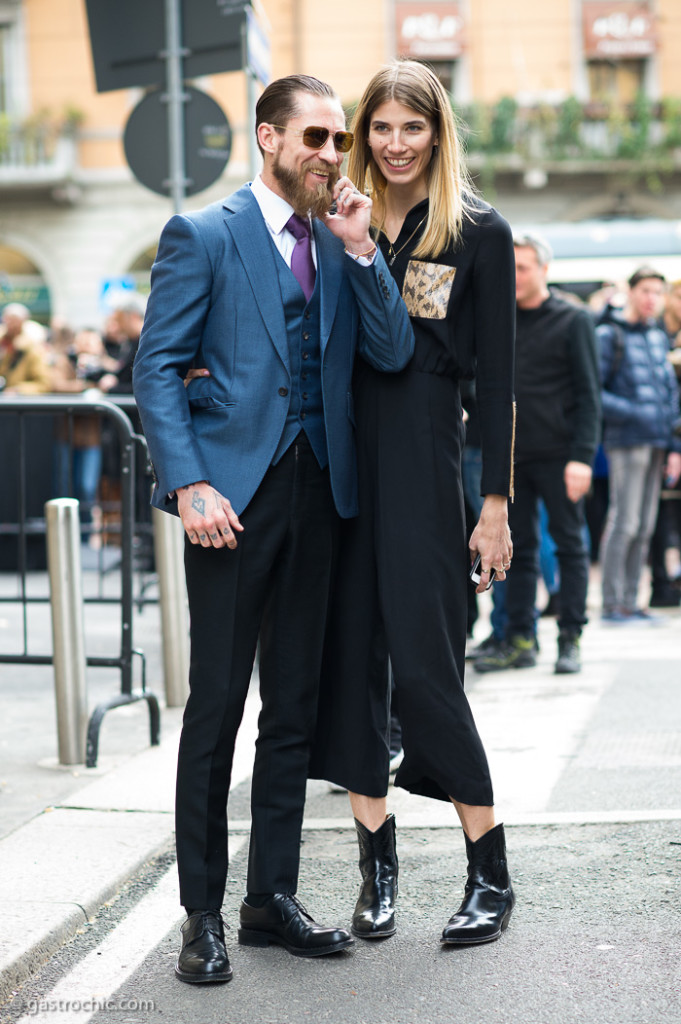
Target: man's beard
x,y
316,201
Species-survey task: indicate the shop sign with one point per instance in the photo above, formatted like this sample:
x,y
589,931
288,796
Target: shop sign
x,y
28,289
616,31
431,29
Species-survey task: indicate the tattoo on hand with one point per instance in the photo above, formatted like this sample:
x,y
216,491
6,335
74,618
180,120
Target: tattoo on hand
x,y
202,537
198,503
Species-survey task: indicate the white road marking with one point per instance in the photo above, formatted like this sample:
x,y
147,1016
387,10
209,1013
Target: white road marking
x,y
92,982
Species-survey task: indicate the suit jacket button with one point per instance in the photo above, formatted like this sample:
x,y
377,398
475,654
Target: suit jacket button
x,y
283,392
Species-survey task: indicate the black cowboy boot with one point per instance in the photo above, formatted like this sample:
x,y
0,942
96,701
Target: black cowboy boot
x,y
374,916
488,895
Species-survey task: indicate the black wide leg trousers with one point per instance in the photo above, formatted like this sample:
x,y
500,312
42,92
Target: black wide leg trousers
x,y
401,590
274,584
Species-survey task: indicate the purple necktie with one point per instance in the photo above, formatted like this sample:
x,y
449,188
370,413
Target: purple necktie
x,y
301,258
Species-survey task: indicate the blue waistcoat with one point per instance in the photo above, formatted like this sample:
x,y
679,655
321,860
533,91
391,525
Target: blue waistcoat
x,y
306,409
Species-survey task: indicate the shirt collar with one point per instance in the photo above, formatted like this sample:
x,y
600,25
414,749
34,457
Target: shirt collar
x,y
275,210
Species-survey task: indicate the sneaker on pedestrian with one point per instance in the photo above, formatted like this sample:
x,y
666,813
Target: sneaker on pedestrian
x,y
614,617
487,646
518,652
568,654
396,760
643,617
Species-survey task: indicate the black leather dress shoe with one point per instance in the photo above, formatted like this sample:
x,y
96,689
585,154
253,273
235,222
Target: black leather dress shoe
x,y
203,957
284,921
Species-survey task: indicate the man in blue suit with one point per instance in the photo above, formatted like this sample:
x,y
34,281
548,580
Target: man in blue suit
x,y
273,295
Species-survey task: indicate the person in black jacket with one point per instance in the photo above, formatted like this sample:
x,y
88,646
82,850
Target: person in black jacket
x,y
557,392
404,563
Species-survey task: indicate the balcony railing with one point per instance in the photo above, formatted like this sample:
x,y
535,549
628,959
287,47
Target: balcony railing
x,y
592,135
33,156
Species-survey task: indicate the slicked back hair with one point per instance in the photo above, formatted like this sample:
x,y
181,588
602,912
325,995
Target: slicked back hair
x,y
279,102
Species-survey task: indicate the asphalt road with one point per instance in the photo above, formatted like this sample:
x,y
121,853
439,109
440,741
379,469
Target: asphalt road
x,y
587,774
595,938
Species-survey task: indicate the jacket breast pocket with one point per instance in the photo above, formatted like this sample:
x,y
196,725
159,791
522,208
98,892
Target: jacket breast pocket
x,y
426,289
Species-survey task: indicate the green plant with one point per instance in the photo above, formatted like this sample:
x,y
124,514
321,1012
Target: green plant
x,y
72,119
670,114
568,139
634,141
537,131
503,125
5,134
474,127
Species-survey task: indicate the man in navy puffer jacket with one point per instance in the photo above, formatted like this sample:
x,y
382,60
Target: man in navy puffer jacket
x,y
640,400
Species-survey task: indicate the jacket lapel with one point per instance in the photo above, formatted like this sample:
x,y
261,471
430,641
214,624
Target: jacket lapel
x,y
251,238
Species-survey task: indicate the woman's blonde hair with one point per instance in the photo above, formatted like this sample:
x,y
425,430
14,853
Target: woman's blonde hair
x,y
415,85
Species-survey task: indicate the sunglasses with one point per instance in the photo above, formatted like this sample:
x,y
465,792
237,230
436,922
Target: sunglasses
x,y
315,138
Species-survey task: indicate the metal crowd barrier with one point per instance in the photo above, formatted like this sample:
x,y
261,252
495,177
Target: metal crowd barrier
x,y
17,521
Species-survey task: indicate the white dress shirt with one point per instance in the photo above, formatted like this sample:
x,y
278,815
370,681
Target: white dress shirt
x,y
276,212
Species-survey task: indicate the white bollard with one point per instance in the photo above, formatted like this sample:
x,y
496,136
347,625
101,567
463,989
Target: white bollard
x,y
169,554
68,633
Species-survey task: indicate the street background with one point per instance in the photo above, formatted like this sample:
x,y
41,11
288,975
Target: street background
x,y
587,773
572,123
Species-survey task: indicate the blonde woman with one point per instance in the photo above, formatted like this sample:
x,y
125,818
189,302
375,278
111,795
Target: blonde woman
x,y
404,563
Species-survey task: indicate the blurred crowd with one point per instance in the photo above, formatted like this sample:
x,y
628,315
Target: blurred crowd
x,y
37,360
597,460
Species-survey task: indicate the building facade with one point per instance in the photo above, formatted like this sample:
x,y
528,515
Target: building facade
x,y
572,109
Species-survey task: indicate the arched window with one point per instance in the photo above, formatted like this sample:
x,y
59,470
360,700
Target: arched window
x,y
21,281
140,270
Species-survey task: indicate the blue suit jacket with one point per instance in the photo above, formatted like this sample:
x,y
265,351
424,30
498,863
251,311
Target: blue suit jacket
x,y
215,302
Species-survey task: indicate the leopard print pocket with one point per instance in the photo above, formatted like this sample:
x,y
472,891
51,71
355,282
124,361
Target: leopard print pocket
x,y
426,289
